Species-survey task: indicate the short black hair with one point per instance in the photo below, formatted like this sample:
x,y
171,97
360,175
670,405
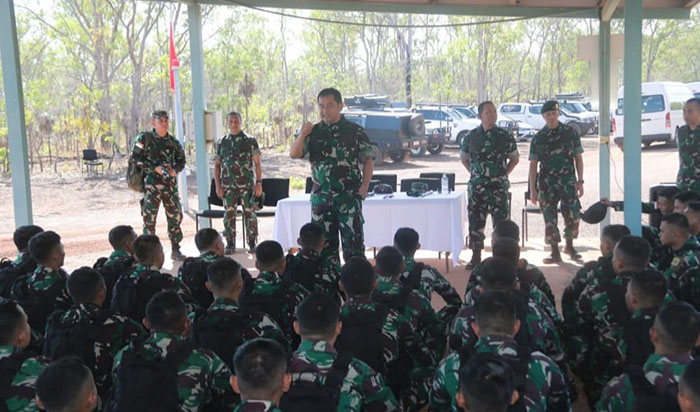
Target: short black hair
x,y
260,365
487,383
694,206
669,192
615,232
508,229
23,234
330,91
406,240
42,245
498,274
223,273
678,326
480,108
495,312
61,384
11,316
677,220
84,284
507,249
634,252
310,234
119,235
690,380
693,100
205,238
357,276
389,261
687,196
234,113
650,286
166,312
269,252
318,315
146,247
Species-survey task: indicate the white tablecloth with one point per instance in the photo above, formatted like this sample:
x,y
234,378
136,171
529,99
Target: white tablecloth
x,y
440,220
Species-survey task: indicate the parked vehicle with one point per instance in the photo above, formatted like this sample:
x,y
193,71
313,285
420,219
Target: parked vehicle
x,y
523,112
578,117
694,88
445,116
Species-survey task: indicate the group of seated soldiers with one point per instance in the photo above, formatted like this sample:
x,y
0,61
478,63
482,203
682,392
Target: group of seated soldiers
x,y
304,335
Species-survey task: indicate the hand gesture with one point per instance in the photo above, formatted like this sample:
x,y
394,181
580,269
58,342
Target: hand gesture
x,y
306,129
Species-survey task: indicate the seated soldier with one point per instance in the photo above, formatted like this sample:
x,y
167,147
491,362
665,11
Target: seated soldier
x,y
602,306
319,372
684,250
692,212
193,271
674,334
486,383
689,388
681,200
308,267
23,265
87,331
380,336
645,294
133,291
66,385
120,261
18,368
141,372
44,290
225,325
271,294
425,278
664,203
541,383
261,376
538,328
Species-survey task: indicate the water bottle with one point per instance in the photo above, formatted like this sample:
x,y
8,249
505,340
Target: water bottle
x,y
445,184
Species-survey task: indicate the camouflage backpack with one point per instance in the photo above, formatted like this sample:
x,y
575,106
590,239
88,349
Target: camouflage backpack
x,y
134,173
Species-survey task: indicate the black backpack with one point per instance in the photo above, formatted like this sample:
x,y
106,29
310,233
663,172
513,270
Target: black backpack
x,y
362,336
414,276
9,367
9,273
144,383
219,331
131,295
78,339
306,396
647,397
38,305
112,273
269,303
193,273
303,273
639,345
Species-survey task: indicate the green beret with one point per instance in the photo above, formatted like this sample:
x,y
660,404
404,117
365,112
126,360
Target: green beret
x,y
550,105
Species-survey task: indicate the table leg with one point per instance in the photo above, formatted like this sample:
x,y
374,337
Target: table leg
x,y
447,262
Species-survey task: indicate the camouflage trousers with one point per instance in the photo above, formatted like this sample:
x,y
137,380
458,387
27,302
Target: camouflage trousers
x,y
232,198
686,183
551,195
484,198
150,203
340,213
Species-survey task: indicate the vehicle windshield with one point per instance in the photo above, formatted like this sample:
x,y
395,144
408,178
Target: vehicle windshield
x,y
456,115
466,112
573,107
650,104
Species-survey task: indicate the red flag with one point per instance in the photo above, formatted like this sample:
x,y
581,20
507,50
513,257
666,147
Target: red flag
x,y
174,62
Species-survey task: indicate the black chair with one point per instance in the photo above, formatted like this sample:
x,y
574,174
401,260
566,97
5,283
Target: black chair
x,y
433,184
437,175
275,189
309,185
214,199
390,180
527,209
91,162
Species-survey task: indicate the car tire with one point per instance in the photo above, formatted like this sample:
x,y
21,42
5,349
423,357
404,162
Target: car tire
x,y
674,139
418,151
435,148
460,136
576,127
397,157
378,155
416,125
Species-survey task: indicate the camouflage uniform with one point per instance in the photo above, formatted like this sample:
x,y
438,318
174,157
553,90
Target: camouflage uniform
x,y
41,284
336,153
689,287
201,376
689,159
663,372
236,153
362,389
325,272
526,272
431,280
545,389
488,153
680,261
149,153
110,336
257,406
555,150
21,395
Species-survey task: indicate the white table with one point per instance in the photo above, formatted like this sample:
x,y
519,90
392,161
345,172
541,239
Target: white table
x,y
440,220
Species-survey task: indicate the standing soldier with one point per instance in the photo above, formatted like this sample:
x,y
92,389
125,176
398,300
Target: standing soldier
x,y
235,182
337,149
489,153
557,147
689,148
161,157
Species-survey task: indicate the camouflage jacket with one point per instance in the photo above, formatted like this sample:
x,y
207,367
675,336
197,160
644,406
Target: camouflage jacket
x,y
111,334
689,159
431,280
257,406
236,153
661,371
43,285
445,385
555,150
526,272
362,389
21,395
488,153
201,376
117,257
151,152
319,274
681,260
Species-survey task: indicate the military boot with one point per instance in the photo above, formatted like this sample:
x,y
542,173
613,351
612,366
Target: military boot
x,y
569,249
176,254
476,259
251,245
230,245
555,257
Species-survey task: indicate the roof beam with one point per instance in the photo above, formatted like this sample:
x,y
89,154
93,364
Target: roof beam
x,y
608,8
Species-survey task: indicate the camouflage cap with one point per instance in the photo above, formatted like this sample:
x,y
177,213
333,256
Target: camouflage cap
x,y
595,214
550,105
159,114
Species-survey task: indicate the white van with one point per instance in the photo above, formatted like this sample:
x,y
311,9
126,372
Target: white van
x,y
694,88
662,112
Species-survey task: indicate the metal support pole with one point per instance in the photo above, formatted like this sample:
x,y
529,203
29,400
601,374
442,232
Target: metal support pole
x,y
14,107
182,181
604,113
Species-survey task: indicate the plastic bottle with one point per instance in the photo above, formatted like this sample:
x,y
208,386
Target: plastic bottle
x,y
445,184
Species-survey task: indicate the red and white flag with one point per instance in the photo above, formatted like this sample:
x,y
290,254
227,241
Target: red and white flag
x,y
174,62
